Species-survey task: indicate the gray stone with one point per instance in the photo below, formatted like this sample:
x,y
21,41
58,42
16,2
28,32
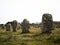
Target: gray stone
x,y
14,25
47,23
25,26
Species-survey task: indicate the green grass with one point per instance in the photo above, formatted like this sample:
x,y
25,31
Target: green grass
x,y
32,38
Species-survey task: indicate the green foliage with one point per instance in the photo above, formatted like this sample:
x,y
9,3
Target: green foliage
x,y
34,38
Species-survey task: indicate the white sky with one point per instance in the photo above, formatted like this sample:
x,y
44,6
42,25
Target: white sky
x,y
30,9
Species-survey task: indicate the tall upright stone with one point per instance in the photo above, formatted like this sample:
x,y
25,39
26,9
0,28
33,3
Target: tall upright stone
x,y
8,26
14,25
47,23
25,26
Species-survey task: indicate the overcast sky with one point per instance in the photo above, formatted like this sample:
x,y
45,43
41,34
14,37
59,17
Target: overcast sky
x,y
30,9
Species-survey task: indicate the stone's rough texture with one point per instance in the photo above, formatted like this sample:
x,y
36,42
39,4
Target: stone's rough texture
x,y
14,25
25,26
47,23
8,26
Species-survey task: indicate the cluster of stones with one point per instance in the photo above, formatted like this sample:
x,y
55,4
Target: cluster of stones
x,y
15,26
47,24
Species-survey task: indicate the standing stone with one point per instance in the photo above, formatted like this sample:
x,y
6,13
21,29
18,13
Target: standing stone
x,y
25,26
2,26
8,27
14,25
47,23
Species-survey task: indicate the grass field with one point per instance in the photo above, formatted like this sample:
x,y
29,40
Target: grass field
x,y
33,38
